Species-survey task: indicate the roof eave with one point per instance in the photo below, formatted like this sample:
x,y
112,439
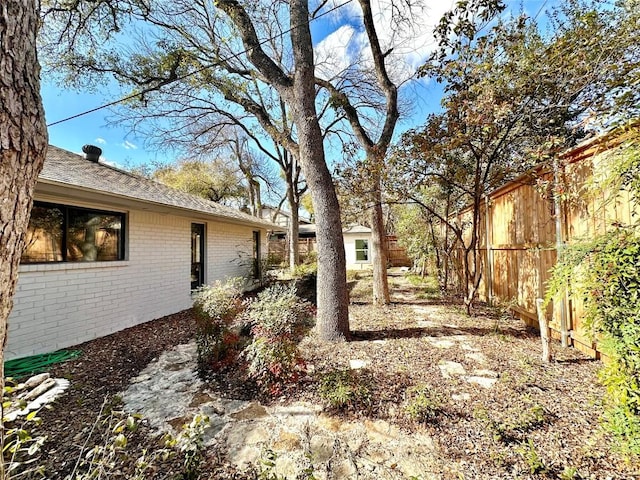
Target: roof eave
x,y
61,189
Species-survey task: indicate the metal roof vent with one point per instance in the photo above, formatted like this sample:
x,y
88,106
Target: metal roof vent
x,y
92,153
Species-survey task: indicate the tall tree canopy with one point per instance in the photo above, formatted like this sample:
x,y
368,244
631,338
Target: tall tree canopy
x,y
515,96
222,60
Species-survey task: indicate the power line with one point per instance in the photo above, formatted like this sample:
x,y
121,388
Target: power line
x,y
195,72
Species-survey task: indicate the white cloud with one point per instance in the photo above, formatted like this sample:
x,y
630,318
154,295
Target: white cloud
x,y
100,141
331,53
408,32
128,145
110,163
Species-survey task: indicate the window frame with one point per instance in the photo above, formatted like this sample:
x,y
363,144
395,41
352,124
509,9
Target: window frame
x,y
65,209
257,254
365,249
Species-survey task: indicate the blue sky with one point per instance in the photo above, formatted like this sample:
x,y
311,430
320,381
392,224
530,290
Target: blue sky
x,y
123,148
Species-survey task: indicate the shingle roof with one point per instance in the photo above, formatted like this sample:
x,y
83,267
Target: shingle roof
x,y
356,229
62,166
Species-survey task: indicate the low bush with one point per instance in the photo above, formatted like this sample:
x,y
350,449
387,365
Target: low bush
x,y
353,275
278,319
514,423
308,267
346,389
216,307
190,444
20,450
423,404
533,460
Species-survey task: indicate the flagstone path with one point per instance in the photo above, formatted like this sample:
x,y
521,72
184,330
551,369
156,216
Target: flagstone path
x,y
168,393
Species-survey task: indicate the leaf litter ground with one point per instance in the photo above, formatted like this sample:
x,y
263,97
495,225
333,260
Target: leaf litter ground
x,y
524,420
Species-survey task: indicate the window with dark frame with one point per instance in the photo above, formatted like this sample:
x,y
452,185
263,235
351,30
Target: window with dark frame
x,y
197,255
257,267
62,233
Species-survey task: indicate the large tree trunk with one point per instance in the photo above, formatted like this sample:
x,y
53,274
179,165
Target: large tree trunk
x,y
294,244
379,250
23,143
332,294
299,92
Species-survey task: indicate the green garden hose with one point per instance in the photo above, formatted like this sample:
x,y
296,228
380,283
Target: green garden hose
x,y
21,367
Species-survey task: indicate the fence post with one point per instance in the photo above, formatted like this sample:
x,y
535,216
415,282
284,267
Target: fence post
x,y
489,251
544,331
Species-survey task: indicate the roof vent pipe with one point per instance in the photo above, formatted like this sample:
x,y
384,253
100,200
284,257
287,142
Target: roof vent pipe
x,y
92,153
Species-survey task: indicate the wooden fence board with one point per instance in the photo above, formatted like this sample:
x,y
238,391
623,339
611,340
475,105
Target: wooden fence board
x,y
519,249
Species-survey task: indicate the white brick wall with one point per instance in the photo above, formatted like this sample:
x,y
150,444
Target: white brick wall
x,y
61,305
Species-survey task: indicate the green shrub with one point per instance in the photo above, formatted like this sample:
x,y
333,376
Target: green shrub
x,y
305,269
308,267
423,404
190,443
605,274
513,423
346,388
216,307
535,464
278,320
19,448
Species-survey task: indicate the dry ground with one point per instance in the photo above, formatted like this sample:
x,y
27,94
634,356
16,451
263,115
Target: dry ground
x,y
537,421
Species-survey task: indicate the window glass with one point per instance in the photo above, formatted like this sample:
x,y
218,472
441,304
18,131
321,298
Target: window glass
x,y
362,250
93,236
88,235
256,255
43,242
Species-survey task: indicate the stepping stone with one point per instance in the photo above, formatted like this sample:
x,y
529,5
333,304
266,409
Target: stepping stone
x,y
459,337
485,373
448,368
380,431
476,357
482,381
440,342
251,412
469,348
419,309
45,390
461,397
357,364
321,448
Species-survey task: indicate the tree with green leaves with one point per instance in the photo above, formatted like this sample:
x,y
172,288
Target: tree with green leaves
x,y
515,97
214,179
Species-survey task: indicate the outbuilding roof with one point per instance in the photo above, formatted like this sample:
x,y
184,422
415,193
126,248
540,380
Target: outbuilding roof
x,y
64,168
356,229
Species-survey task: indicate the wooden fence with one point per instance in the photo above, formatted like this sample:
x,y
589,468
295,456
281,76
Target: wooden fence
x,y
524,229
278,251
396,254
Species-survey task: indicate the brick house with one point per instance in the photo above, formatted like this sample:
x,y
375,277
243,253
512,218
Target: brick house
x,y
107,250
